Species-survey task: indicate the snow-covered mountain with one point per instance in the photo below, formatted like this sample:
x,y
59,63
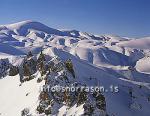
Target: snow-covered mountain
x,y
33,55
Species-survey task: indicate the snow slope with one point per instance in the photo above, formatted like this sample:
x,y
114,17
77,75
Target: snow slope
x,y
97,60
143,65
142,43
15,97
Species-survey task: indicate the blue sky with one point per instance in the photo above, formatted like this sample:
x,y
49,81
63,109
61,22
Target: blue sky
x,y
122,17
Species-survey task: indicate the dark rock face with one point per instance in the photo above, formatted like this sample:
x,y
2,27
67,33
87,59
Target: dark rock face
x,y
4,66
41,63
56,74
69,66
88,109
14,70
28,68
100,101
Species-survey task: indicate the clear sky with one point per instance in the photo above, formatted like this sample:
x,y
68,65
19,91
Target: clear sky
x,y
121,17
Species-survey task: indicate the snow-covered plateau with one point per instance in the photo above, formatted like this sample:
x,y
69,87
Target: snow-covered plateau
x,y
34,56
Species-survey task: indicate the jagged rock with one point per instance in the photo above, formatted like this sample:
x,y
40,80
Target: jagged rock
x,y
41,64
27,69
100,101
69,66
44,95
61,74
48,111
13,71
4,66
45,103
41,57
25,112
39,80
69,98
29,54
40,109
88,109
82,97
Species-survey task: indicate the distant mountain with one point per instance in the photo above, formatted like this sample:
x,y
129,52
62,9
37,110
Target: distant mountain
x,y
34,56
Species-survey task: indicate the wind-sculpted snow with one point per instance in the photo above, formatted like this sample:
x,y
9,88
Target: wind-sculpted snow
x,y
39,56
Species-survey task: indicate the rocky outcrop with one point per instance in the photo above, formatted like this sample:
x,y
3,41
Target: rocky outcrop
x,y
14,70
28,68
4,66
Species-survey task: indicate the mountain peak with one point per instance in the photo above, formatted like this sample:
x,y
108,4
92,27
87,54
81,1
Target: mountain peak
x,y
22,28
23,23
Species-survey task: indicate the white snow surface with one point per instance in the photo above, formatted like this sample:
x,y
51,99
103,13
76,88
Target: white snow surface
x,y
14,96
105,58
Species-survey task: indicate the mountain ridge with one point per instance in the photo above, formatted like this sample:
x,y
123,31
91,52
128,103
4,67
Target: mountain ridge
x,y
33,55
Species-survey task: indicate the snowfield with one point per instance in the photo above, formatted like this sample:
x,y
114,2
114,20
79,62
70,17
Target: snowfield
x,y
14,97
97,60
